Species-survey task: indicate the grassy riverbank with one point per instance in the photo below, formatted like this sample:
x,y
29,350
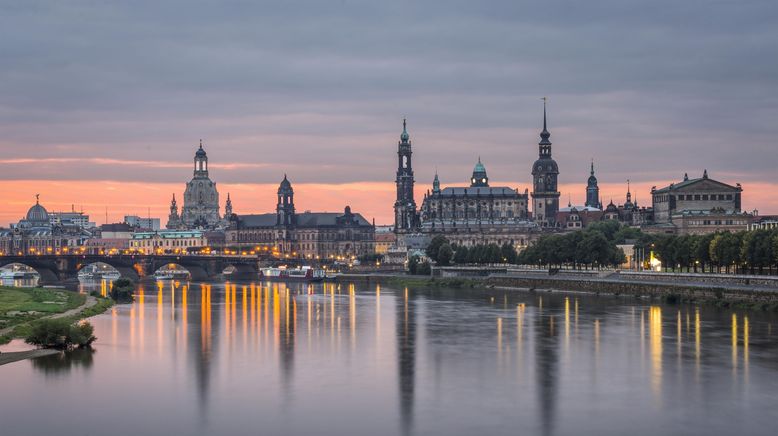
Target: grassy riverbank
x,y
20,307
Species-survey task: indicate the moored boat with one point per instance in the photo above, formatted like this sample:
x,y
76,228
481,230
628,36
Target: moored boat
x,y
305,273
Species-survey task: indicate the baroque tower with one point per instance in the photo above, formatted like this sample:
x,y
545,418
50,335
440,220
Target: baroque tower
x,y
545,171
592,190
285,207
404,206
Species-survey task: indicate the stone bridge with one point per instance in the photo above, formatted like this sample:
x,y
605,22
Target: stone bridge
x,y
54,269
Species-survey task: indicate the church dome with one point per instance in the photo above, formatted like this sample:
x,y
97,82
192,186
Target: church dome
x,y
404,136
200,152
285,186
545,165
592,180
38,214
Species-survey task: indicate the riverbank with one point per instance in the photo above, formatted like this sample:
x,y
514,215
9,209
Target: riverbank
x,y
20,307
686,290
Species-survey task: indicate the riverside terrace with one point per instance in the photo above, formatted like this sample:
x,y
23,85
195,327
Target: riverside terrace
x,y
58,268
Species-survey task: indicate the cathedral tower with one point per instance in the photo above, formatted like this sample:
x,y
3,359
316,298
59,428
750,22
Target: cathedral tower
x,y
404,206
592,191
545,197
285,206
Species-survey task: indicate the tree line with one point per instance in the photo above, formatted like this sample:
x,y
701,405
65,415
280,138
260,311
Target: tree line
x,y
746,252
596,246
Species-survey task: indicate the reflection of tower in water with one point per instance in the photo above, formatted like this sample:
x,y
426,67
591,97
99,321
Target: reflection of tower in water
x,y
546,363
201,343
406,358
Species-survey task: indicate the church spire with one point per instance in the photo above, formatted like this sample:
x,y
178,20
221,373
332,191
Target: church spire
x,y
436,183
545,144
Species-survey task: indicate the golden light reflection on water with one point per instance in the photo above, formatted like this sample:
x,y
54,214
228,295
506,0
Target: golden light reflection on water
x,y
734,342
567,324
655,337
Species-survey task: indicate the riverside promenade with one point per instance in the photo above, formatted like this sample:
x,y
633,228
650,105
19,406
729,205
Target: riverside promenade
x,y
731,289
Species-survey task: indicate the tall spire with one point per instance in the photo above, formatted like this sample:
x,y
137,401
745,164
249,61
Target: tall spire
x,y
436,183
545,144
592,170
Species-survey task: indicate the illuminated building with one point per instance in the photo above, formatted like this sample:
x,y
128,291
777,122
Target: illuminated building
x,y
308,234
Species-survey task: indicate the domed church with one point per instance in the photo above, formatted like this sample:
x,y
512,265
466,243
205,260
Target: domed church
x,y
201,199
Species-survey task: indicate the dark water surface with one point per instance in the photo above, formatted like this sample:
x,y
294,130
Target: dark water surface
x,y
248,359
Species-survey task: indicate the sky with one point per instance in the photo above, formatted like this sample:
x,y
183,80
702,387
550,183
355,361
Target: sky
x,y
103,104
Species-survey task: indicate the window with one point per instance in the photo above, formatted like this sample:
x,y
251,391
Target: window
x,y
705,197
697,197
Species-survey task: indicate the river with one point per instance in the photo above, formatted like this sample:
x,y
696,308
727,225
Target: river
x,y
262,358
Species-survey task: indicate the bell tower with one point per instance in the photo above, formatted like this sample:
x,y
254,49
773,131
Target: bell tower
x,y
404,206
545,171
285,207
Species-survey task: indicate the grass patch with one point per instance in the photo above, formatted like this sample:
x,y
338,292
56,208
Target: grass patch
x,y
20,307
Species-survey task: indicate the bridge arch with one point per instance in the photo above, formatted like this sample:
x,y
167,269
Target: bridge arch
x,y
46,273
129,270
241,270
175,266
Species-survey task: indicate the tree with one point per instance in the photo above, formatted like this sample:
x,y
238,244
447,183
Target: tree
x,y
508,253
434,246
61,334
413,264
122,289
460,255
445,254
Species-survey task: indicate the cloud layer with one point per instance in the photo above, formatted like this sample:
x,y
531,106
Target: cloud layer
x,y
123,91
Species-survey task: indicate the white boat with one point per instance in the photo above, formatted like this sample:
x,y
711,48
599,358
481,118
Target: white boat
x,y
170,274
305,274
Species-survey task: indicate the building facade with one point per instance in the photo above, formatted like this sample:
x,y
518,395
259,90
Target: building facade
x,y
698,206
479,213
168,241
35,234
310,235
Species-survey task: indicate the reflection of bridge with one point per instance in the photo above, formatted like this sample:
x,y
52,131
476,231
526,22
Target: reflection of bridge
x,y
56,268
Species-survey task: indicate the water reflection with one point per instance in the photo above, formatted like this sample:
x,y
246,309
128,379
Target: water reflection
x,y
63,363
378,360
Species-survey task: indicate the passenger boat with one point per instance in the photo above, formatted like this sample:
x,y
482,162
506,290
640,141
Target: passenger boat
x,y
171,274
282,274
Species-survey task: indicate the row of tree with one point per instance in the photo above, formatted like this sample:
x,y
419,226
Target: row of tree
x,y
754,252
590,248
747,252
444,253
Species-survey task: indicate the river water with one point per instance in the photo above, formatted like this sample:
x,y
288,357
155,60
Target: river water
x,y
324,359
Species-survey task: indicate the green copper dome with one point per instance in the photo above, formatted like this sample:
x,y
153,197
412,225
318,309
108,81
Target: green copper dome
x,y
404,136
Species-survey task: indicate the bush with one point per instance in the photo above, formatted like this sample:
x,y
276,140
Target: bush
x,y
122,290
61,334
